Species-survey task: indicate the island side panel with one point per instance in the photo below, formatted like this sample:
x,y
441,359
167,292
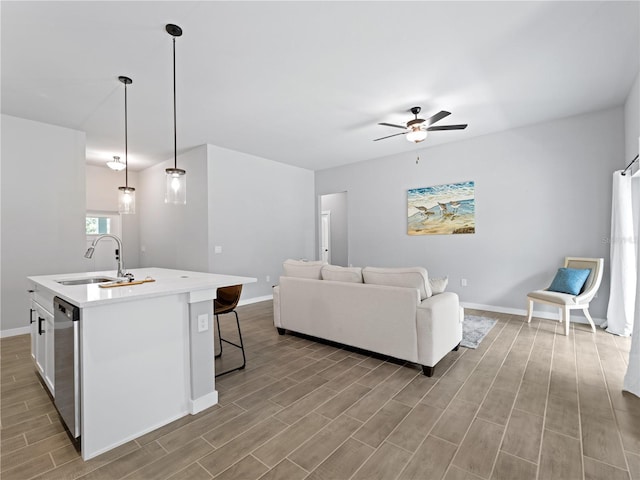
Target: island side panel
x,y
203,393
134,370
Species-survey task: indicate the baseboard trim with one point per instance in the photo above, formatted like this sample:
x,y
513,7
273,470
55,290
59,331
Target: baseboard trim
x,y
204,402
14,332
575,316
249,301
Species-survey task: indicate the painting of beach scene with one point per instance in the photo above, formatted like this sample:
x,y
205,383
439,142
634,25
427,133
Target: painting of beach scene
x,y
441,209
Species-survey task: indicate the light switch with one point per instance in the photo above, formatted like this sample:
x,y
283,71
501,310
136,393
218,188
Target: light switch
x,y
217,249
203,322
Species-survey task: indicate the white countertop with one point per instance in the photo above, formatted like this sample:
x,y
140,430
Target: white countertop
x,y
167,282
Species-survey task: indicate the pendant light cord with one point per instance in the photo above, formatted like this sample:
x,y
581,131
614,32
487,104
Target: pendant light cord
x,y
126,142
175,134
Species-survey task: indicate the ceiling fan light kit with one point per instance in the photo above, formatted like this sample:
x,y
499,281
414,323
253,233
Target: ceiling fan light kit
x,y
416,135
417,128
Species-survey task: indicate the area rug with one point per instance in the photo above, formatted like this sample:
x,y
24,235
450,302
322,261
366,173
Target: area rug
x,y
474,330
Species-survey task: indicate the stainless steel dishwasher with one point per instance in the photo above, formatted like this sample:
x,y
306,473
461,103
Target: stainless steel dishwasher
x,y
67,363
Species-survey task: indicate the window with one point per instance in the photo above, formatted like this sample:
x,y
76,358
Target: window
x,y
98,225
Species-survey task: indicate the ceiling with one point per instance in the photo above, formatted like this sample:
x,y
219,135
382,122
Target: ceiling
x,y
305,83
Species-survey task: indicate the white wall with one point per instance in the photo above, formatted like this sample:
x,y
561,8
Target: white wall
x,y
261,213
632,123
543,192
43,210
102,196
174,236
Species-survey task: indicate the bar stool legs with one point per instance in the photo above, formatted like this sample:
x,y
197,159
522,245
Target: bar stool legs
x,y
240,346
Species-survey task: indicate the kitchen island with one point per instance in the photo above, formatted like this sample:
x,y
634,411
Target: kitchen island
x,y
144,352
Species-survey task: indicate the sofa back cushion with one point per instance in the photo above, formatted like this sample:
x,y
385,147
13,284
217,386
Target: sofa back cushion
x,y
342,274
302,269
410,277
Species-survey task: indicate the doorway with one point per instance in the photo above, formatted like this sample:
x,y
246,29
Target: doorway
x,y
333,229
325,236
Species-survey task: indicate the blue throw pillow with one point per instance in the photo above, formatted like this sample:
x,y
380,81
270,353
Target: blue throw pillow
x,y
569,280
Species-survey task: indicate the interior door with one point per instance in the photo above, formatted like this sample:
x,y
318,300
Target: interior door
x,y
325,236
333,229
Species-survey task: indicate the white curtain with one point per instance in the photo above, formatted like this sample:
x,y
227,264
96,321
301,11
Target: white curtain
x,y
632,378
622,294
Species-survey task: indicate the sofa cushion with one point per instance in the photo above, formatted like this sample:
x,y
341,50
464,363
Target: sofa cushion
x,y
342,274
438,285
410,277
302,269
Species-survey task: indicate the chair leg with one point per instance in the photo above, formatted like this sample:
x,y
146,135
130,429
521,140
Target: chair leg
x,y
588,315
529,310
565,318
240,346
244,358
219,338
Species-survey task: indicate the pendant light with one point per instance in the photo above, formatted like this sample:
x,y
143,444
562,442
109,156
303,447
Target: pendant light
x,y
176,192
126,194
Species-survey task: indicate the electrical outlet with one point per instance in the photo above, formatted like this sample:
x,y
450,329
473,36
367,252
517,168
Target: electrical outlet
x,y
203,322
463,282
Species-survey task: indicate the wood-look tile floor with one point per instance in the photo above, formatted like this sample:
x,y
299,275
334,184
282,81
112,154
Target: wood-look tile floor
x,y
528,403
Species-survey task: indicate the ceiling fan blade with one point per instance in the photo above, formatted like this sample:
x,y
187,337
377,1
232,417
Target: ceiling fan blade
x,y
437,117
393,125
389,136
448,127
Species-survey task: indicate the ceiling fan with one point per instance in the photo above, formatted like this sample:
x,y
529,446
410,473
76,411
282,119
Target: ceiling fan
x,y
416,129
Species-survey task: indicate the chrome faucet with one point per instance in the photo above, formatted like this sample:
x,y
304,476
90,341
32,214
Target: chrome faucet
x,y
121,271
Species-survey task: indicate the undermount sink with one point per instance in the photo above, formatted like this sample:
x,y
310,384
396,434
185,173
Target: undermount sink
x,y
85,281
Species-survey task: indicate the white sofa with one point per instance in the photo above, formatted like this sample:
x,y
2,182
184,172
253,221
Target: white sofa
x,y
388,311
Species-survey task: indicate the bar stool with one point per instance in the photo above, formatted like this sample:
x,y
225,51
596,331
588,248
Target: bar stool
x,y
226,302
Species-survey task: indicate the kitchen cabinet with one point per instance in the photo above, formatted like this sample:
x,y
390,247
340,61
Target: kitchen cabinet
x,y
33,322
42,343
49,364
37,337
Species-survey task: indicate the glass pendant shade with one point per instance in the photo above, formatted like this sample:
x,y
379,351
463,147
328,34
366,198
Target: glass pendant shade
x,y
116,164
126,200
176,192
416,135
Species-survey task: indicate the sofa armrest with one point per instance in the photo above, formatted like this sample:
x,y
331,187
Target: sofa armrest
x,y
439,327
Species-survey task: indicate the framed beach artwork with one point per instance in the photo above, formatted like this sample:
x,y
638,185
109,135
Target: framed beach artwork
x,y
441,209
